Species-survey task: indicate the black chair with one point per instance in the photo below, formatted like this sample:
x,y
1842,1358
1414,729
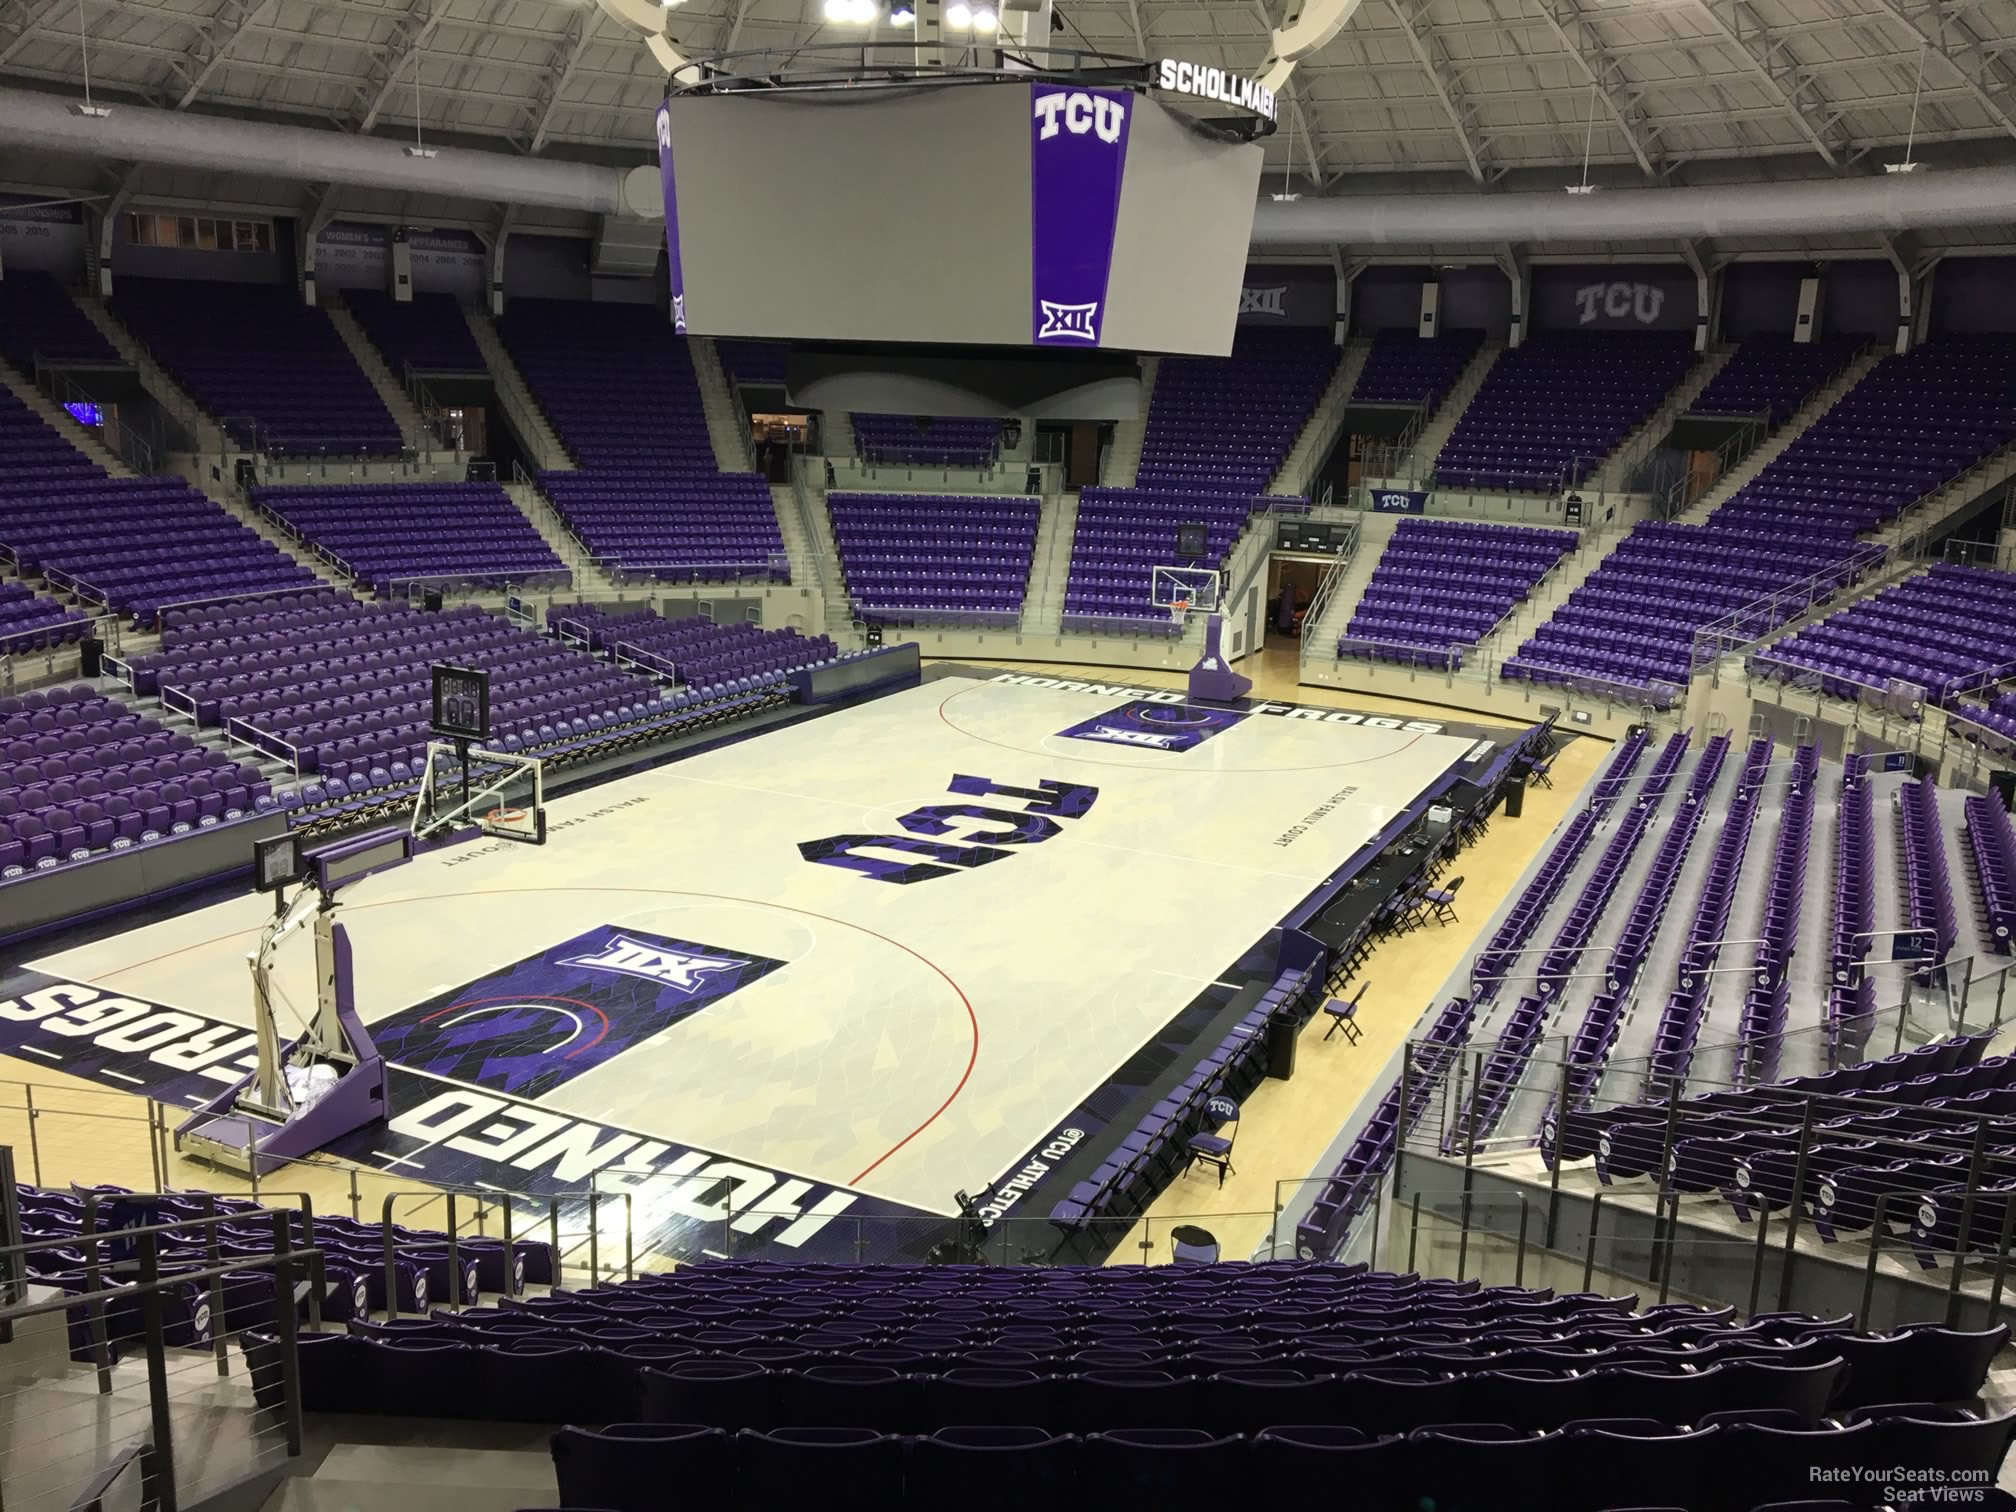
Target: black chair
x,y
848,1396
1683,1464
713,1393
845,1467
1924,1363
1531,1400
1343,1014
538,1383
1246,1401
1487,1467
1150,1461
974,1398
989,1469
627,1466
1954,1441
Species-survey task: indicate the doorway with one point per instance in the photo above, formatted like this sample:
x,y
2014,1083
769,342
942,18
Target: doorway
x,y
1291,587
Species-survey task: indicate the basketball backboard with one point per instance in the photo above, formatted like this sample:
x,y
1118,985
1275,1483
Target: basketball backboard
x,y
1179,589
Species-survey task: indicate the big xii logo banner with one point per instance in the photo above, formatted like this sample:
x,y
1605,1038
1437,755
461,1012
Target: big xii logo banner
x,y
1078,146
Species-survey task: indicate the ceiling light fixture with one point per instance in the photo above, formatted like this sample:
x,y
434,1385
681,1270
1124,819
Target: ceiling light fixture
x,y
958,15
1588,140
902,14
983,20
84,107
1910,164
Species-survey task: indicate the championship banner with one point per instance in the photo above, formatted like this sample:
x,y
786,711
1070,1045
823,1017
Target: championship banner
x,y
1399,501
675,271
1078,151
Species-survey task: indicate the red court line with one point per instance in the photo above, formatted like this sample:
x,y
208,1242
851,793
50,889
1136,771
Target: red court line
x,y
972,1019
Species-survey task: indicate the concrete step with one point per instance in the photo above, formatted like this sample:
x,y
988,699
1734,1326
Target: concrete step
x,y
1914,530
1817,404
84,437
390,390
1644,439
1324,425
1549,594
1123,457
1435,435
222,491
1050,566
413,1478
204,433
734,450
514,396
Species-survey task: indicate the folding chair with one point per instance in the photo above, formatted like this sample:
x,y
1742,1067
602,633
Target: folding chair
x,y
1540,773
1441,901
1344,1015
1215,1149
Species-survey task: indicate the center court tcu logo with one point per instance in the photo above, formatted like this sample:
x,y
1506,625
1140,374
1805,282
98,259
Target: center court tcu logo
x,y
669,968
1078,113
998,828
1071,322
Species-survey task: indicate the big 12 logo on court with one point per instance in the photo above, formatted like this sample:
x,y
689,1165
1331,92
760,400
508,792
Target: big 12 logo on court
x,y
997,830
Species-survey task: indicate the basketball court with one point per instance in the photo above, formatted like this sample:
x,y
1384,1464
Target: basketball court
x,y
884,952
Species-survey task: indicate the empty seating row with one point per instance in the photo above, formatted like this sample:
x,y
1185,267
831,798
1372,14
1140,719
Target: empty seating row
x,y
391,536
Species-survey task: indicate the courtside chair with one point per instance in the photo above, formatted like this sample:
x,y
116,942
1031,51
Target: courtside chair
x,y
1215,1148
1441,901
1343,1014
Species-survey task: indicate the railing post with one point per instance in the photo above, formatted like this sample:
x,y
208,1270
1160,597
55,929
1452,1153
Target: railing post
x,y
1975,1167
214,1258
1876,1232
1589,1255
391,1270
1792,1208
162,1425
289,1329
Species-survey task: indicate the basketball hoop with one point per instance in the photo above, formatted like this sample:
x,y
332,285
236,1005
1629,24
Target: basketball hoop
x,y
505,817
1179,606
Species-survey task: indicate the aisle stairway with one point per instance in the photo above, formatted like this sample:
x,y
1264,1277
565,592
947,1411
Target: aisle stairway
x,y
1324,426
1050,566
1123,457
84,437
387,383
1435,435
1817,404
514,397
726,426
203,432
1641,442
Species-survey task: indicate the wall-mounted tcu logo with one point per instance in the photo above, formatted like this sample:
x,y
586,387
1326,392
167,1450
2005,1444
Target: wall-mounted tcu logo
x,y
1078,113
982,832
1641,302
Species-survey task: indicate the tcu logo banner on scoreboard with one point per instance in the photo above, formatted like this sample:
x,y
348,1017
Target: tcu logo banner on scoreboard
x,y
1078,145
676,272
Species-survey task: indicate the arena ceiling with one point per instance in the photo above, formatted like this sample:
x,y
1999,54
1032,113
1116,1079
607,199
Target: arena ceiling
x,y
1413,95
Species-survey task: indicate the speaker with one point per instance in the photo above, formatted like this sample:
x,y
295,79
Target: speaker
x,y
1282,1037
2003,785
432,601
91,657
1515,800
1193,539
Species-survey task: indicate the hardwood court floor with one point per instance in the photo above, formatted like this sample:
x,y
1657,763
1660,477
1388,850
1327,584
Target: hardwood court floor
x,y
1288,1126
86,1134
